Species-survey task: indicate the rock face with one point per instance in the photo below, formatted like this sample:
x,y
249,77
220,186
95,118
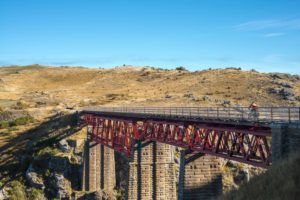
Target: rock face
x,y
60,165
3,194
62,186
64,146
285,93
33,179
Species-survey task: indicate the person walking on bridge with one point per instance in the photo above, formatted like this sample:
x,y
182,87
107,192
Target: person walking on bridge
x,y
253,115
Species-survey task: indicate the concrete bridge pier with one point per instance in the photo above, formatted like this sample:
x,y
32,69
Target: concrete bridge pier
x,y
199,176
285,140
99,167
152,172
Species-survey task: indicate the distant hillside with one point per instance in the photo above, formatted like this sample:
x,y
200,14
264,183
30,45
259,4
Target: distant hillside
x,y
38,86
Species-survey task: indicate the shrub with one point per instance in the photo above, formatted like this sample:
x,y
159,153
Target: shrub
x,y
181,68
20,105
48,151
35,194
17,191
23,120
4,124
16,122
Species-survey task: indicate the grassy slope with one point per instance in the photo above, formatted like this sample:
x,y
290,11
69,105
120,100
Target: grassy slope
x,y
139,86
281,181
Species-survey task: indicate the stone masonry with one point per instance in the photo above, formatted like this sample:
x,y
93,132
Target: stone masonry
x,y
285,140
99,167
152,173
202,177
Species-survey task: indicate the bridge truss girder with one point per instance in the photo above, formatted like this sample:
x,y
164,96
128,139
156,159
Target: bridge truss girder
x,y
247,144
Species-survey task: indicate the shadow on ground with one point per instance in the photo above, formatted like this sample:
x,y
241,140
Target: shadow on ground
x,y
17,153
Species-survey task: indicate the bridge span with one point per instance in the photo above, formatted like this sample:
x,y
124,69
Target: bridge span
x,y
150,135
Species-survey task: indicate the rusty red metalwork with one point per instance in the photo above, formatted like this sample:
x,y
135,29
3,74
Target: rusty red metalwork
x,y
247,144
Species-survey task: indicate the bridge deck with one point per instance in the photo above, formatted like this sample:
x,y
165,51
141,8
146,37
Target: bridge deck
x,y
217,114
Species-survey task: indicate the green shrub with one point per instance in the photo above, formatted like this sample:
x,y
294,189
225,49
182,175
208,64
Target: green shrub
x,y
35,194
181,68
17,191
48,151
4,124
23,120
17,122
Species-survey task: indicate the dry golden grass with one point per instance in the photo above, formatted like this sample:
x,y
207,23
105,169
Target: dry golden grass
x,y
52,86
281,181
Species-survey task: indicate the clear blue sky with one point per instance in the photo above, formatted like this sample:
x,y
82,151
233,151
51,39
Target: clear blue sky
x,y
198,34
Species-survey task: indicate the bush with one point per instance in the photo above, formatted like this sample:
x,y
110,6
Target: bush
x,y
4,124
35,194
181,68
17,122
17,191
20,105
48,151
23,121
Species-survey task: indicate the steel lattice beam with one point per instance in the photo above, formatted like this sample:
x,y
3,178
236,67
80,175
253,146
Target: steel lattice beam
x,y
247,144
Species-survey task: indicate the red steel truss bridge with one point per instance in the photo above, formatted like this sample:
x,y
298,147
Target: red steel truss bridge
x,y
231,133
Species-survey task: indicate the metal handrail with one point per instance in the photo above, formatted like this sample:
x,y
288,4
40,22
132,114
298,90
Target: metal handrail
x,y
266,114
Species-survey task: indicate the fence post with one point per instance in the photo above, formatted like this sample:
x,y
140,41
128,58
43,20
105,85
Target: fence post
x,y
218,112
299,114
271,113
289,115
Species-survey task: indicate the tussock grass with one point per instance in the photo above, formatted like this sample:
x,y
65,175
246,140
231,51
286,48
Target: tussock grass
x,y
281,181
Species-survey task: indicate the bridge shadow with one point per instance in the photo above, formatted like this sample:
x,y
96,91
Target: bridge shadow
x,y
18,152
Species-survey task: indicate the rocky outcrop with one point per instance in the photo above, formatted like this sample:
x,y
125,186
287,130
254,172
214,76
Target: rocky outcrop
x,y
3,194
285,93
33,179
60,165
62,186
64,146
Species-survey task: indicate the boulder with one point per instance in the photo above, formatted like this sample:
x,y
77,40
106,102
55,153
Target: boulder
x,y
283,83
3,194
33,178
62,186
64,146
206,98
226,102
189,95
286,93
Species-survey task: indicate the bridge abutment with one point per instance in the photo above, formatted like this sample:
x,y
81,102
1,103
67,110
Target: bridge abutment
x,y
285,140
99,167
201,176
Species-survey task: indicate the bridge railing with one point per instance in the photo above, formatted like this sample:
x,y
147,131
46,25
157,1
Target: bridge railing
x,y
264,114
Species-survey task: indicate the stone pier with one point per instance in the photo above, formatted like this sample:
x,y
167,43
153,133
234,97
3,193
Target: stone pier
x,y
99,167
152,172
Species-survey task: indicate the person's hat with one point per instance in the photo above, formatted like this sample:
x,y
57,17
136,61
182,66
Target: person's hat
x,y
254,104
